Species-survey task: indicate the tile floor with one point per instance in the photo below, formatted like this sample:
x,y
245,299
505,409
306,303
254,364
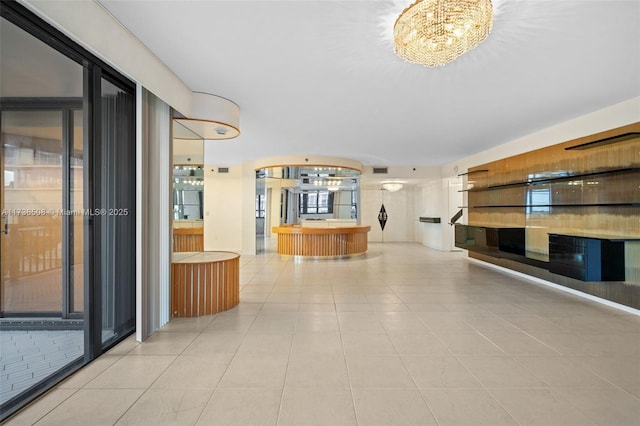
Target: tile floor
x,y
29,356
404,335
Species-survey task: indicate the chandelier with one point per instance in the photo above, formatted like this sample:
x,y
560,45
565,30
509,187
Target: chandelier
x,y
392,186
435,32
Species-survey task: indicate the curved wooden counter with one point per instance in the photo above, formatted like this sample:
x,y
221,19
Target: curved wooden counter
x,y
325,242
204,283
188,239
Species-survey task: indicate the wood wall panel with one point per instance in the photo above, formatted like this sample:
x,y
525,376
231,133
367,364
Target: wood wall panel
x,y
571,203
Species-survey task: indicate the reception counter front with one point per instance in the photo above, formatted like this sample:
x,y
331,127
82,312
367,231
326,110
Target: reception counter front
x,y
204,283
188,239
321,241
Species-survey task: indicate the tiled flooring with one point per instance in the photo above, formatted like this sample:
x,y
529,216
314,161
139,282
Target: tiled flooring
x,y
27,357
402,336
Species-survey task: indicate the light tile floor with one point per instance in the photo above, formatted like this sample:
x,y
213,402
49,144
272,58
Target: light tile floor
x,y
404,335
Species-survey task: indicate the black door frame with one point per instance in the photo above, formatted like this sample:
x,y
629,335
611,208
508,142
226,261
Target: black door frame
x,y
95,70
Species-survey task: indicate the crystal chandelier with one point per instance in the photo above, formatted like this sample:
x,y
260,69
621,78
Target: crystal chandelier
x,y
392,186
435,32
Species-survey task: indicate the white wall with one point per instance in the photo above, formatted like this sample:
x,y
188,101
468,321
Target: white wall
x,y
229,205
400,207
91,26
188,151
223,209
430,203
438,198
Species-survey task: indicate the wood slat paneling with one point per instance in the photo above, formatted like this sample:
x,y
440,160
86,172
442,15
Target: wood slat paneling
x,y
204,288
322,242
188,239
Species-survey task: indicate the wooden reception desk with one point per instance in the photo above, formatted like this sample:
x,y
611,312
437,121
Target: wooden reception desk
x,y
204,283
188,239
321,241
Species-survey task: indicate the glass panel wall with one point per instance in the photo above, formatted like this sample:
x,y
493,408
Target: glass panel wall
x,y
67,193
32,202
297,194
42,145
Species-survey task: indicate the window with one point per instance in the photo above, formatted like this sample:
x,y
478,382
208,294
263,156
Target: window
x,y
539,200
260,212
67,261
316,202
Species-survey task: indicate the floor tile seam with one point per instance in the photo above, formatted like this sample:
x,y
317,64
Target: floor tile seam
x,y
35,401
553,391
233,356
124,413
581,367
515,360
92,388
176,356
347,369
579,409
613,385
286,371
494,316
486,389
490,341
537,340
422,397
442,342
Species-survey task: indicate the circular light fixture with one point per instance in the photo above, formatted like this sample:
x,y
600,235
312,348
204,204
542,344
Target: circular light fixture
x,y
212,117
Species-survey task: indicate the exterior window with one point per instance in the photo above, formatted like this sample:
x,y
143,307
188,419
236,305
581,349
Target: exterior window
x,y
316,202
260,212
67,163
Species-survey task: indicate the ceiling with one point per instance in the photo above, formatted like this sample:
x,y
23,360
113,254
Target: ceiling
x,y
321,77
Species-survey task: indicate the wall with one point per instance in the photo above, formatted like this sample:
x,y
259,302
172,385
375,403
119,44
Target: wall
x,y
273,205
543,152
223,209
432,203
188,151
401,212
153,217
87,22
229,204
617,115
442,187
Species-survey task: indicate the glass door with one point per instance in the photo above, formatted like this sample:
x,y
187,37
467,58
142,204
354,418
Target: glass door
x,y
67,194
41,180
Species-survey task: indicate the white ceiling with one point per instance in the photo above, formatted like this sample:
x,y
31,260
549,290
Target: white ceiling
x,y
321,78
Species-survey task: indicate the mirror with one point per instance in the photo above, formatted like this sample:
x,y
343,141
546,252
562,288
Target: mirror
x,y
310,193
188,192
188,176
